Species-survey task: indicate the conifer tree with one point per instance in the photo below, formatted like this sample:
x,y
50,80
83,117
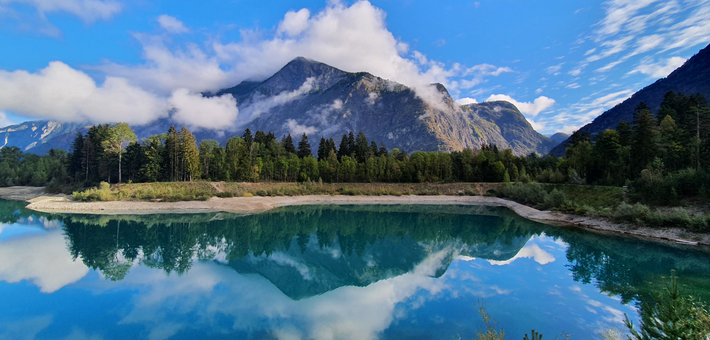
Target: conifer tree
x,y
304,148
645,144
344,149
383,150
287,143
352,147
322,148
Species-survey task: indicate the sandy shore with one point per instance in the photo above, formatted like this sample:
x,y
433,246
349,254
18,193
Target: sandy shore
x,y
247,205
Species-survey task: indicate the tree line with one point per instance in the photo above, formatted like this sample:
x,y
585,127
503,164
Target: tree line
x,y
667,154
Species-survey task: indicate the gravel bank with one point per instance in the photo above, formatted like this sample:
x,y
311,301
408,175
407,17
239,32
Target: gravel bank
x,y
248,205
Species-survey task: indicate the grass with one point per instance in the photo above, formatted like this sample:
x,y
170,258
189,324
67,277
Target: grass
x,y
605,202
585,200
200,191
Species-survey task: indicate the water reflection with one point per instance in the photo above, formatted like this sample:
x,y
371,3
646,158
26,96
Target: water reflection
x,y
319,272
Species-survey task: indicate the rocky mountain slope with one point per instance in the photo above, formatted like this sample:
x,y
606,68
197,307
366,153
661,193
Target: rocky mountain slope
x,y
691,78
312,97
325,101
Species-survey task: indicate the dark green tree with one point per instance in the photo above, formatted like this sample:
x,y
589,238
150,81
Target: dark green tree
x,y
304,148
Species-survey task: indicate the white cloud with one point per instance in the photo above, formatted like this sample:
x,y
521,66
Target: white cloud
x,y
294,23
554,69
261,104
87,10
210,289
532,251
660,69
196,111
466,101
62,93
171,24
166,70
353,38
296,129
42,259
532,109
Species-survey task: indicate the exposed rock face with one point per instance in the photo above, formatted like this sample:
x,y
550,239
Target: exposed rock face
x,y
691,78
320,100
308,96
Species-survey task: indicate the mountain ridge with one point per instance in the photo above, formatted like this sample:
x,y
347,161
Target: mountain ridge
x,y
690,78
320,100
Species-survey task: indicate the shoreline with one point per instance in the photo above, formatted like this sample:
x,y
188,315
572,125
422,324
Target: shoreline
x,y
39,201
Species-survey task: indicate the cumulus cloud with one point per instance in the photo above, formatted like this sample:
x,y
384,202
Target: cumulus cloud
x,y
294,22
531,109
197,111
660,69
62,93
466,101
532,251
210,289
171,24
354,38
42,259
166,70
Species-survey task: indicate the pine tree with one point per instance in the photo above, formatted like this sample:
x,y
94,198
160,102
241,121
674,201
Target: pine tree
x,y
626,133
374,151
304,148
287,143
330,143
383,150
248,138
172,154
322,148
645,144
75,161
362,149
352,147
344,149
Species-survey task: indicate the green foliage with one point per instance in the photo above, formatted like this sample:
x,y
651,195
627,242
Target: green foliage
x,y
672,315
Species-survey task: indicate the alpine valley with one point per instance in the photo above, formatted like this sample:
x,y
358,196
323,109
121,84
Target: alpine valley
x,y
310,97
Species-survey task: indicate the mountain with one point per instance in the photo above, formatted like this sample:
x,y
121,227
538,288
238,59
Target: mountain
x,y
559,137
34,135
691,78
312,97
329,102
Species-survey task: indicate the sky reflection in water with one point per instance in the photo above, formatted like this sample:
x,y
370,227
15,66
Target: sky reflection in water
x,y
318,272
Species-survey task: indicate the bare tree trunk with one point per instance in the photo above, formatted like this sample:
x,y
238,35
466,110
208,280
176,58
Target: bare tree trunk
x,y
119,166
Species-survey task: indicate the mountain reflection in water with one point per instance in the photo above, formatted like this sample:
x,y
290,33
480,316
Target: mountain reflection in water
x,y
322,272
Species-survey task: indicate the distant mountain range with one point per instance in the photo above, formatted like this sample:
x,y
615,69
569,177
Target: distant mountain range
x,y
559,137
691,78
312,97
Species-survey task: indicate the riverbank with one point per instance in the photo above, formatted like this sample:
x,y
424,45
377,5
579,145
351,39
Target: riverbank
x,y
249,205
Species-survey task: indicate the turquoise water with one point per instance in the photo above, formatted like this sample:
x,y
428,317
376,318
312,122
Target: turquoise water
x,y
321,272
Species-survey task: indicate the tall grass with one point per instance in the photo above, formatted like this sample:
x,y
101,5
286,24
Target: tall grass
x,y
189,191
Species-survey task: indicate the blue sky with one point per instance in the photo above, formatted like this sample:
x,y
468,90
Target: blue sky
x,y
561,62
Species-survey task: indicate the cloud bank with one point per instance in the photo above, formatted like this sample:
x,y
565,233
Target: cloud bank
x,y
59,92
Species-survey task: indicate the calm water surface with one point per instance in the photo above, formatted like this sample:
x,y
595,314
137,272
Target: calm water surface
x,y
321,272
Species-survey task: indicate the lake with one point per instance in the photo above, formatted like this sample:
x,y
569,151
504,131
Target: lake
x,y
322,272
